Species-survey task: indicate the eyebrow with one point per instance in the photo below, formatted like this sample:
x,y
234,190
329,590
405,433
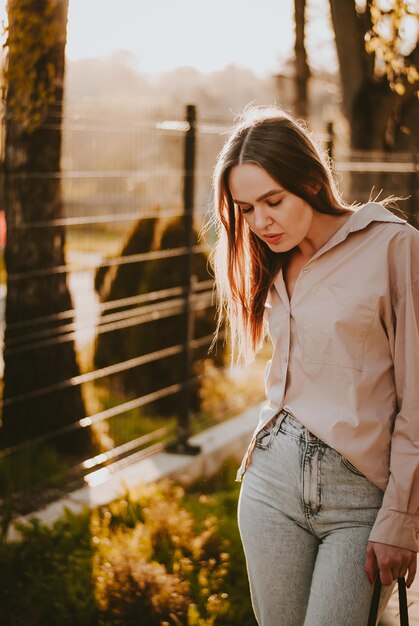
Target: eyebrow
x,y
271,192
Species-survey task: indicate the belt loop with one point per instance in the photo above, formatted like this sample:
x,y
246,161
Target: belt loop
x,y
281,415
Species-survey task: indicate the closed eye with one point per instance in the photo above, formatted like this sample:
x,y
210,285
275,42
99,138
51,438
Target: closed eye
x,y
271,205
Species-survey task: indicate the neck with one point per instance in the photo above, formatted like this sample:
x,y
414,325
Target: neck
x,y
323,227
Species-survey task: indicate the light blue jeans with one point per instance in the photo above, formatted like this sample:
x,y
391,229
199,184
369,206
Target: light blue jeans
x,y
305,515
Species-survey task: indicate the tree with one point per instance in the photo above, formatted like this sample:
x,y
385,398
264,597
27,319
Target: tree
x,y
302,70
380,117
35,78
393,39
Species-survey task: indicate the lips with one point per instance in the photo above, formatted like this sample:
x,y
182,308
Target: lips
x,y
273,238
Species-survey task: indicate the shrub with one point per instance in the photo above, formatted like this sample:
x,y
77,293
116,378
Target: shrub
x,y
132,591
46,578
167,568
141,278
144,559
218,496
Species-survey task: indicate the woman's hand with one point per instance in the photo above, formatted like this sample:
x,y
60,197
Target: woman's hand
x,y
391,562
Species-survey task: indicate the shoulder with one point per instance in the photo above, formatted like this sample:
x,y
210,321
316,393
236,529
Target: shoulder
x,y
376,222
403,261
398,234
404,237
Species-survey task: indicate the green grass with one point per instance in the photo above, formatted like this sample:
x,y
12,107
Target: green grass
x,y
131,424
95,239
32,466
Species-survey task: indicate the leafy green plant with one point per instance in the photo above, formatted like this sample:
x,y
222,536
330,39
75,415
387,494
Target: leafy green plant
x,y
47,576
159,556
166,569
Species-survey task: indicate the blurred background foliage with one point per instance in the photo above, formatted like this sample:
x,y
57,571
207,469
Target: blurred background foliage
x,y
159,555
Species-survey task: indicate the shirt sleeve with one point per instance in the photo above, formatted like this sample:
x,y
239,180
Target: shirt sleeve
x,y
397,522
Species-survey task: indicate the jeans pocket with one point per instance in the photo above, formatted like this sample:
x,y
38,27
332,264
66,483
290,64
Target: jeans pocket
x,y
264,437
352,468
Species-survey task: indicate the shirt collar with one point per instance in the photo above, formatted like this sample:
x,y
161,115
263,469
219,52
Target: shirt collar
x,y
360,219
371,212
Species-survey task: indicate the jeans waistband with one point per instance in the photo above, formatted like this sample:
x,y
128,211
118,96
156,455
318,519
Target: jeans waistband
x,y
291,425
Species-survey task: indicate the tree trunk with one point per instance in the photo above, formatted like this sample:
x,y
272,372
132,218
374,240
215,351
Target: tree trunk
x,y
302,70
368,101
33,194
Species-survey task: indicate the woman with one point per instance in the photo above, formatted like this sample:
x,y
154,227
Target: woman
x,y
330,491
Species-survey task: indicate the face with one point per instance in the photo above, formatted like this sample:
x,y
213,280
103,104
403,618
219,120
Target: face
x,y
278,217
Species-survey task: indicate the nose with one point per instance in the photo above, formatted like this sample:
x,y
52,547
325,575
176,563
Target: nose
x,y
261,217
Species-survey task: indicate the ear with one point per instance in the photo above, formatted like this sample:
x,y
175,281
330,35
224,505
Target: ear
x,y
313,189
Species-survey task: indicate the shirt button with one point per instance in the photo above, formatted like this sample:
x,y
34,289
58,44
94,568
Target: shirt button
x,y
285,359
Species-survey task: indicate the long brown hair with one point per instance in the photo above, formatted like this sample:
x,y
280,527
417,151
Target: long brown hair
x,y
244,265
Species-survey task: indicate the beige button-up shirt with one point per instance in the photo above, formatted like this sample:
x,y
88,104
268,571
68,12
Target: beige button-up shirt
x,y
346,359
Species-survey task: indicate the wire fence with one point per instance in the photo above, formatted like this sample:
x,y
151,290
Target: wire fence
x,y
123,174
116,173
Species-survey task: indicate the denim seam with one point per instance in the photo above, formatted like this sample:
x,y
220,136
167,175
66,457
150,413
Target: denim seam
x,y
310,452
351,467
297,437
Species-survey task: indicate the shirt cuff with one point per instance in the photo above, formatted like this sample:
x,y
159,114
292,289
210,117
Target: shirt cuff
x,y
396,529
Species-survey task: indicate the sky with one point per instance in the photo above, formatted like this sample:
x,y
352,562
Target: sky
x,y
164,34
208,35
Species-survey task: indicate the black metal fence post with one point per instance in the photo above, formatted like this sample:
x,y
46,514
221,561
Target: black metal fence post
x,y
330,139
414,178
184,428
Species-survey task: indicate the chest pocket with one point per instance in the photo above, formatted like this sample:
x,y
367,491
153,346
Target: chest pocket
x,y
336,325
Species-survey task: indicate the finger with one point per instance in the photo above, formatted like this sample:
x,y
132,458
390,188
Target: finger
x,y
412,572
371,567
399,571
386,574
